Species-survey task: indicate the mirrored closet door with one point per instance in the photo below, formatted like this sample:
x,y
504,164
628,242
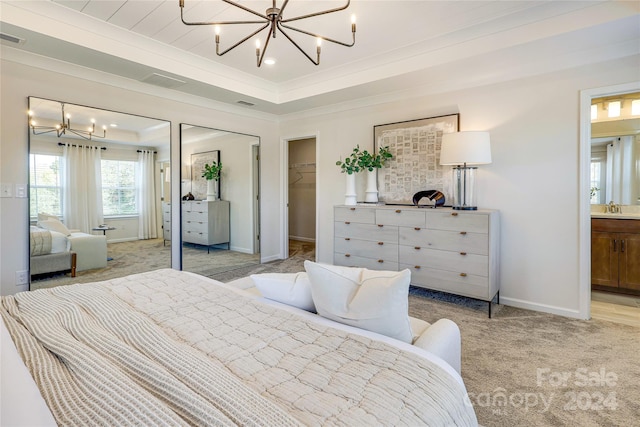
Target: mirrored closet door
x,y
97,182
220,209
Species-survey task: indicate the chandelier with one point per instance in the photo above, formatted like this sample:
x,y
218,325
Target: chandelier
x,y
65,126
273,18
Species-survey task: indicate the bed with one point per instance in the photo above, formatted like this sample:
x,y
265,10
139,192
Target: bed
x,y
54,248
174,348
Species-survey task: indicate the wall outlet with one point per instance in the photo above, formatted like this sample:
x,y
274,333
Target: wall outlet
x,y
22,277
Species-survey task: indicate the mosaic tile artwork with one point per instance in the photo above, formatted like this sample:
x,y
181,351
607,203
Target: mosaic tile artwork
x,y
415,165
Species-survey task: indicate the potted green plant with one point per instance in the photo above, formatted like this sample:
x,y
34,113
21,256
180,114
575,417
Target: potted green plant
x,y
371,162
211,173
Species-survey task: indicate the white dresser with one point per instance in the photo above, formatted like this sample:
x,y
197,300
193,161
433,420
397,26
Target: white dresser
x,y
166,221
205,223
446,250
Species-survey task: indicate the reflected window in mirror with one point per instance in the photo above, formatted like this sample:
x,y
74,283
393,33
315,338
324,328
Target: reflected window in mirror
x,y
94,193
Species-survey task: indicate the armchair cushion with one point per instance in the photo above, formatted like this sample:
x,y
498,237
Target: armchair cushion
x,y
91,250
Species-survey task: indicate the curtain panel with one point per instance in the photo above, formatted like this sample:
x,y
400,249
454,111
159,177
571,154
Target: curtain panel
x,y
82,187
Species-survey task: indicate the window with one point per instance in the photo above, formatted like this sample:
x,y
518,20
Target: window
x,y
44,183
118,187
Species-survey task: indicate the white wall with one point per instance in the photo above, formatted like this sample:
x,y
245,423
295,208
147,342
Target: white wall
x,y
20,81
533,180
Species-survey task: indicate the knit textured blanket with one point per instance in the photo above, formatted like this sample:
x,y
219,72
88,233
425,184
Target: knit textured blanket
x,y
172,348
40,242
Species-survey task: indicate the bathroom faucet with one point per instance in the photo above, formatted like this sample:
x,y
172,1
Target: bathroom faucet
x,y
612,207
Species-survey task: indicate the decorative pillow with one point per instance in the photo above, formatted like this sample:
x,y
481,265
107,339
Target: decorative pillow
x,y
377,301
288,288
54,225
45,216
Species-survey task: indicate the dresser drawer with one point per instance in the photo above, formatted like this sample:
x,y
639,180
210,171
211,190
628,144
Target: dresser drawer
x,y
448,281
354,214
195,236
400,216
457,241
367,249
349,260
195,226
373,232
197,216
459,262
458,221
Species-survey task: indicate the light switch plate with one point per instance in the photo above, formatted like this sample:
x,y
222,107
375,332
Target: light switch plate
x,y
5,190
21,191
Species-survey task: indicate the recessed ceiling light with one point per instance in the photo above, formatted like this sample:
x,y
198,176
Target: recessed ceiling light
x,y
269,61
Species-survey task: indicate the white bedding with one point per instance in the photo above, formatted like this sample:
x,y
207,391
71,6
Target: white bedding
x,y
155,296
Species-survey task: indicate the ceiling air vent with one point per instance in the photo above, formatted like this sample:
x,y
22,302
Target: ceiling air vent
x,y
12,39
163,81
247,103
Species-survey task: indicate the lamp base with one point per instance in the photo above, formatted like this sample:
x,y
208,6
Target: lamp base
x,y
464,194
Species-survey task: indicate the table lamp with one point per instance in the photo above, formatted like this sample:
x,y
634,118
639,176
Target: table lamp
x,y
465,150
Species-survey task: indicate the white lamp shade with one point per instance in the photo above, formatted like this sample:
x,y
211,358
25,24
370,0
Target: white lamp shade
x,y
471,147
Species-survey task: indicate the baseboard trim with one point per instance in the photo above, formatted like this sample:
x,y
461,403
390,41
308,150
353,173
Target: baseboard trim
x,y
551,309
264,259
125,239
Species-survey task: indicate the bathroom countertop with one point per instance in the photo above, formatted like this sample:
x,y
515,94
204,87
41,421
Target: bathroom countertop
x,y
623,215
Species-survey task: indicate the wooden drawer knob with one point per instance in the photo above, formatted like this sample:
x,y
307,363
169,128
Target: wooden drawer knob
x,y
380,261
381,243
347,222
417,228
417,248
463,253
347,238
463,233
380,225
417,267
398,210
352,209
454,213
463,274
347,255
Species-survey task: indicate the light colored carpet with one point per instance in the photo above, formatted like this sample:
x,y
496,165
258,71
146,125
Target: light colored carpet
x,y
145,255
524,368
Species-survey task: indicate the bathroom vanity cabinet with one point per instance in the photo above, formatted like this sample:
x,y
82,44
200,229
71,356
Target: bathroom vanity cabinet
x,y
615,255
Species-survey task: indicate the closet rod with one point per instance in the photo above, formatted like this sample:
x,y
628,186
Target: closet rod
x,y
73,145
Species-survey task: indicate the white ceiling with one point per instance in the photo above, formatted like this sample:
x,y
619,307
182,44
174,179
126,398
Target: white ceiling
x,y
400,45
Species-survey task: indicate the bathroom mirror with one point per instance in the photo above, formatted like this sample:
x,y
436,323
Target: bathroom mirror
x,y
220,226
95,193
615,151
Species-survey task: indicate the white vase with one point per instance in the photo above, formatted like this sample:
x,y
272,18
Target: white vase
x,y
350,195
372,187
211,190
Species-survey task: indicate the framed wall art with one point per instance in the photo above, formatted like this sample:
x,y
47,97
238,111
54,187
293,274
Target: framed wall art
x,y
198,183
415,166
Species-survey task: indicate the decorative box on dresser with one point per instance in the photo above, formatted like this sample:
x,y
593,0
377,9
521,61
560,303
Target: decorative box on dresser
x,y
205,223
166,222
446,250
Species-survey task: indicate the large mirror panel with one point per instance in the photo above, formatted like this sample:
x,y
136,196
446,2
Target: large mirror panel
x,y
97,181
220,217
615,150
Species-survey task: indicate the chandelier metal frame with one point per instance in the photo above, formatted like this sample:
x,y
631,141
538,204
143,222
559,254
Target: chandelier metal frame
x,y
273,18
65,126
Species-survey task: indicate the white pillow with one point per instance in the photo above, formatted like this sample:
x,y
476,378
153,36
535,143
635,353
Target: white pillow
x,y
288,288
377,301
54,225
45,216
